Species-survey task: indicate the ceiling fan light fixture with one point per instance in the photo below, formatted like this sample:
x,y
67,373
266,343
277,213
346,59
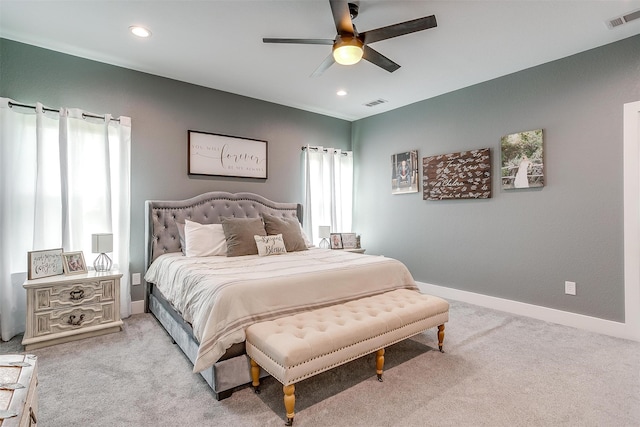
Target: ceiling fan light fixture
x,y
348,50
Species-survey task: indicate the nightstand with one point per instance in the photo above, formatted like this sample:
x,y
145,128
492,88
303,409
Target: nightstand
x,y
356,250
67,308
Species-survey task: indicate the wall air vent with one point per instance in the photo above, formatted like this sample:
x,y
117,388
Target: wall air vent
x,y
375,102
624,19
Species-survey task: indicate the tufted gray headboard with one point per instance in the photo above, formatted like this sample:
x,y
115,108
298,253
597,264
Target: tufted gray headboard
x,y
161,232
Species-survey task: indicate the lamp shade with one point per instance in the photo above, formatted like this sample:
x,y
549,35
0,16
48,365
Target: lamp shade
x,y
348,50
324,231
101,243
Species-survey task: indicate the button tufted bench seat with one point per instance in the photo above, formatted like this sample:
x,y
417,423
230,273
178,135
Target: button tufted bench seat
x,y
300,346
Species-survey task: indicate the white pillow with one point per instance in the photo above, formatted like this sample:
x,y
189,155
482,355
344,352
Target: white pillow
x,y
270,245
204,239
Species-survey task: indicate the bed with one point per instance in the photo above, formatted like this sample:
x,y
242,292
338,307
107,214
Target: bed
x,y
206,302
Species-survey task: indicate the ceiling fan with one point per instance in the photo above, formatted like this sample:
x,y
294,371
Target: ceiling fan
x,y
349,46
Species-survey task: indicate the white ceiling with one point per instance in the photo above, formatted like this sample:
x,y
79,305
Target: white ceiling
x,y
218,44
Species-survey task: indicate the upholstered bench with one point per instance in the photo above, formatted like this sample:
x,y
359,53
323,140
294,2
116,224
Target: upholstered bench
x,y
300,346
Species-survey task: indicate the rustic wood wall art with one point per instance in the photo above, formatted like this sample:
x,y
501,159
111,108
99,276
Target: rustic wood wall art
x,y
463,175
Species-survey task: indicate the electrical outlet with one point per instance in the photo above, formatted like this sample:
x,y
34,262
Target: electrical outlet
x,y
135,279
570,288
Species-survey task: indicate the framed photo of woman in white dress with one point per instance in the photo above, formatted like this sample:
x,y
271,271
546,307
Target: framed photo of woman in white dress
x,y
522,160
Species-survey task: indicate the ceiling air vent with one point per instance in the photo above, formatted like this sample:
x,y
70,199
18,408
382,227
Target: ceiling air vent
x,y
624,19
375,102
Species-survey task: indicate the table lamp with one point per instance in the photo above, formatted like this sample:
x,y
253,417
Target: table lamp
x,y
324,231
101,243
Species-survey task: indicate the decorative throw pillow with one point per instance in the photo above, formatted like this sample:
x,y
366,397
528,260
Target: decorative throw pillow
x,y
204,239
289,228
239,233
183,245
306,239
270,245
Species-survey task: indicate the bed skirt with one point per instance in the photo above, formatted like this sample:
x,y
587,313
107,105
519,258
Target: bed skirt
x,y
226,375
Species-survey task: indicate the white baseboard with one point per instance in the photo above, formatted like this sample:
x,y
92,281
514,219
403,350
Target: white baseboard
x,y
592,324
137,307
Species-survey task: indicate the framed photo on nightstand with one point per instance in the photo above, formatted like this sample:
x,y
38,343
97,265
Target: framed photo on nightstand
x,y
349,241
74,263
336,241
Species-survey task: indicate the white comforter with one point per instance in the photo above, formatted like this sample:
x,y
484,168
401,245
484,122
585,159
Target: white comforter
x,y
221,296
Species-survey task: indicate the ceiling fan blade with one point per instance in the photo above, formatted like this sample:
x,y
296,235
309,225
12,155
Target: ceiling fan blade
x,y
399,29
341,16
299,41
379,59
328,62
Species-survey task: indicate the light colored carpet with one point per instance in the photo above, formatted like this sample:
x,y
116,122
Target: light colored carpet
x,y
498,370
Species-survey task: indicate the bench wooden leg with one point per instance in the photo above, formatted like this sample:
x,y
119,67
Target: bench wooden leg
x,y
440,337
255,376
289,402
379,363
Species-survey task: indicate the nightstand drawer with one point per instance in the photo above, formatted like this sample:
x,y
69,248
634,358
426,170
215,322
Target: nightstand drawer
x,y
51,322
71,294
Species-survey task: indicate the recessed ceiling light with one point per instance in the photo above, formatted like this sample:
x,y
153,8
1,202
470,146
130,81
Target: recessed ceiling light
x,y
341,92
140,31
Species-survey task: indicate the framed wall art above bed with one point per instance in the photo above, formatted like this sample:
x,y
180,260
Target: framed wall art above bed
x,y
222,155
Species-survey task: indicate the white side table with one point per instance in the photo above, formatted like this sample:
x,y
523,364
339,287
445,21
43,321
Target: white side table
x,y
356,250
67,308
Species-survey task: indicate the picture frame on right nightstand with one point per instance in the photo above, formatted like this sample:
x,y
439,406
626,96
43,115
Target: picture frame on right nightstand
x,y
349,241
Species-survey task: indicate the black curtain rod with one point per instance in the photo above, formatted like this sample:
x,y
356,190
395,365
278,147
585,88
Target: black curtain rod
x,y
304,147
54,110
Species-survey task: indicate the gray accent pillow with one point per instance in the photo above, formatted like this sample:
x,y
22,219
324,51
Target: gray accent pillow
x,y
289,228
183,246
239,233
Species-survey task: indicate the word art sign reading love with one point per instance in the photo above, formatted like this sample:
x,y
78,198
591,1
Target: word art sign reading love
x,y
464,175
221,155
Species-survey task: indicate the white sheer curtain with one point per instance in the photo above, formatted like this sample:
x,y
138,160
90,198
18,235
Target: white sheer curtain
x,y
63,176
328,186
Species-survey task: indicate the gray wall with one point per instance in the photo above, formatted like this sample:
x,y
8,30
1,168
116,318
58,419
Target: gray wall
x,y
162,110
521,244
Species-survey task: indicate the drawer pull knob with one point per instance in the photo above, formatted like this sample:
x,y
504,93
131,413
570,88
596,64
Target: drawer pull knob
x,y
76,295
74,322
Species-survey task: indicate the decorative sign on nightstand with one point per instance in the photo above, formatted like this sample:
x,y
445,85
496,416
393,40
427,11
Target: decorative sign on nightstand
x,y
44,263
